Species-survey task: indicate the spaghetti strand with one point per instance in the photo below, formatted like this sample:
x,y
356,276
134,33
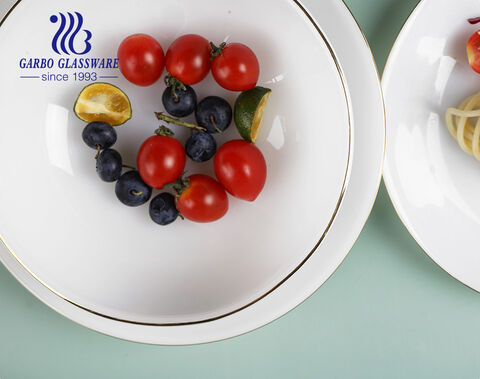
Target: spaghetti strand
x,y
463,127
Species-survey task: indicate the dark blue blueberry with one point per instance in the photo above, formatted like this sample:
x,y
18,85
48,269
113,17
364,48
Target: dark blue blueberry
x,y
201,147
109,165
99,134
214,114
181,105
162,209
131,190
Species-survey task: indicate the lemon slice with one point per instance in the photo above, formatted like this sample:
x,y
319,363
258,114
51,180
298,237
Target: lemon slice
x,y
103,102
248,112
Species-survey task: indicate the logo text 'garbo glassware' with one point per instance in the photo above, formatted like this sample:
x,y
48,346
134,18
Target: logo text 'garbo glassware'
x,y
67,32
71,42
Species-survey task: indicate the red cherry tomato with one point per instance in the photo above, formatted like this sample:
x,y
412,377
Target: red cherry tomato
x,y
241,169
236,68
160,160
473,51
204,200
188,58
141,59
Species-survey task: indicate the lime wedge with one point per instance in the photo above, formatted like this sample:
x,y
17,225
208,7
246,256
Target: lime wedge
x,y
248,112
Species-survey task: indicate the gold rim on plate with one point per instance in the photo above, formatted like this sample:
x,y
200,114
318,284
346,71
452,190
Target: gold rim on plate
x,y
337,207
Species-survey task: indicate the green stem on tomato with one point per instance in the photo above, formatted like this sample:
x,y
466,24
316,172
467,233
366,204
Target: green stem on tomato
x,y
181,184
164,131
217,50
176,84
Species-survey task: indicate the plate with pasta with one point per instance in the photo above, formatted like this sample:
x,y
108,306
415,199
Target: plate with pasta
x,y
432,166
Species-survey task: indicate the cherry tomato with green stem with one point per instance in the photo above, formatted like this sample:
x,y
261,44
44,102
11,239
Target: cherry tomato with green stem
x,y
201,198
235,66
161,159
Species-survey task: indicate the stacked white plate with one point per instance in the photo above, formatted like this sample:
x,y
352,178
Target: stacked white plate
x,y
74,246
433,184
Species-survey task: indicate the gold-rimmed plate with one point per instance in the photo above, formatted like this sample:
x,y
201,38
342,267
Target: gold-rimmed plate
x,y
432,182
112,262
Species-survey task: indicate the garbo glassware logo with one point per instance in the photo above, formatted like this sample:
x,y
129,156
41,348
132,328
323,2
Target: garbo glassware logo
x,y
71,42
67,32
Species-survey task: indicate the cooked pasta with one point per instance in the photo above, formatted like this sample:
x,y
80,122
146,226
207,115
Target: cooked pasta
x,y
464,125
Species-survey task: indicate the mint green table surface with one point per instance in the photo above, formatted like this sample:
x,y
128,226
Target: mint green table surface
x,y
388,311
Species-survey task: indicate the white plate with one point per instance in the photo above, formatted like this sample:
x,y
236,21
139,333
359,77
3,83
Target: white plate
x,y
433,184
224,284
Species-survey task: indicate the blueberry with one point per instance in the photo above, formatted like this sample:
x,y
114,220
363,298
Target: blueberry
x,y
183,104
131,190
201,147
214,114
99,134
162,209
109,165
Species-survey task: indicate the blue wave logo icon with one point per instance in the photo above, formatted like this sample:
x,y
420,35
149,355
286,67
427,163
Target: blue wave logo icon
x,y
64,39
